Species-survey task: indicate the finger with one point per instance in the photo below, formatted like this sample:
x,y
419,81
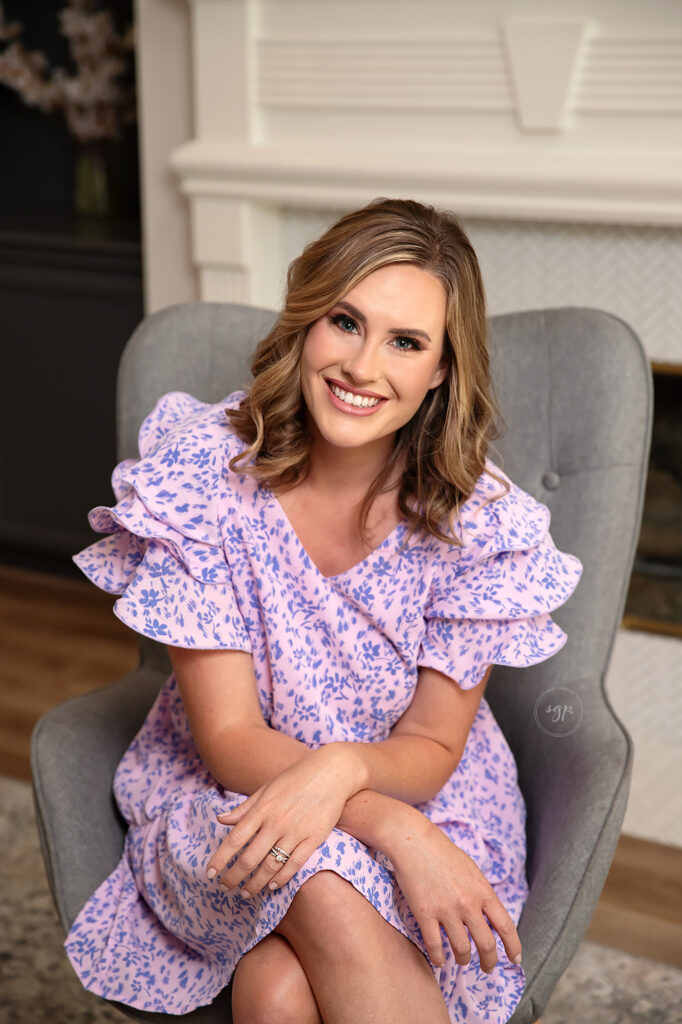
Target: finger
x,y
433,940
502,923
233,816
241,834
241,808
270,867
458,938
299,855
485,942
253,858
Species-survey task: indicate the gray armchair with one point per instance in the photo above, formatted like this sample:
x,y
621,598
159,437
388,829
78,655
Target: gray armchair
x,y
575,390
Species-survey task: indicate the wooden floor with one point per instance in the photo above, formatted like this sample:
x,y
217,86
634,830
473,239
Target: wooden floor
x,y
59,638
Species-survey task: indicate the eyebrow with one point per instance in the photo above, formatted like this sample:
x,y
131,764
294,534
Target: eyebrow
x,y
354,311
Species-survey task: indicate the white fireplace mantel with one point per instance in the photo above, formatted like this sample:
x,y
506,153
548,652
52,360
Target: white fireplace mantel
x,y
598,186
553,127
533,111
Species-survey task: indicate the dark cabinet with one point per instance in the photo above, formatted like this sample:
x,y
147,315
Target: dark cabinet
x,y
69,304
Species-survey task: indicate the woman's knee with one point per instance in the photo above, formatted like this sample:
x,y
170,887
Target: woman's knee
x,y
325,892
270,987
327,908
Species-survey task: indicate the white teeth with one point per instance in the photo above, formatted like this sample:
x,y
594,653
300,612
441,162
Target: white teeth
x,y
349,398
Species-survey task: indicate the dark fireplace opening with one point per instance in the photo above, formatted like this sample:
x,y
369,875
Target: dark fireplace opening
x,y
654,601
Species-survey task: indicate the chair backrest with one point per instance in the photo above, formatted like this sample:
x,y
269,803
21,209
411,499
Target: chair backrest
x,y
575,391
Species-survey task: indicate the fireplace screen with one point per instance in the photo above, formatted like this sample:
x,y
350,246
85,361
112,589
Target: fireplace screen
x,y
654,601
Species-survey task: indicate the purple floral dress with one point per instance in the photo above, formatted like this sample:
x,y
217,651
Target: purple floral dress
x,y
204,557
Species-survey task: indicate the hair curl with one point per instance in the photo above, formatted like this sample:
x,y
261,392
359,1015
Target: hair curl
x,y
444,446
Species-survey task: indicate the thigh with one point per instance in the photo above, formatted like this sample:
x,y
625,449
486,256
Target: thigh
x,y
270,985
360,967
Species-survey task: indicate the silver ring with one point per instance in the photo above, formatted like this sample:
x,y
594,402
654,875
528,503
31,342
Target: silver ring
x,y
279,855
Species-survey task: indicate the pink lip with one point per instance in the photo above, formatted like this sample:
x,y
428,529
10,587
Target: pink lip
x,y
353,410
354,391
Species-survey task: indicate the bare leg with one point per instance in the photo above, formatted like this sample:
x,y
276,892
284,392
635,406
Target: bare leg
x,y
270,986
359,966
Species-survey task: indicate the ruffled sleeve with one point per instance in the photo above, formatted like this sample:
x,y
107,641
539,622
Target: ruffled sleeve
x,y
490,600
163,551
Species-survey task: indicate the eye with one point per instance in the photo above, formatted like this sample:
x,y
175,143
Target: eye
x,y
406,344
344,322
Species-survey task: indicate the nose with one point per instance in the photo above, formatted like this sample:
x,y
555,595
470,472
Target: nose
x,y
361,364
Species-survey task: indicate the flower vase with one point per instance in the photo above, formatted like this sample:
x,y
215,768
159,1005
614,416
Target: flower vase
x,y
91,184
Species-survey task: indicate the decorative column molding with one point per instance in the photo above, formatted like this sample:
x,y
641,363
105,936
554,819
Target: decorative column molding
x,y
230,236
222,52
233,243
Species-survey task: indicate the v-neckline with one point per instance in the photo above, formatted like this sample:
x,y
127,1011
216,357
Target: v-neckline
x,y
274,501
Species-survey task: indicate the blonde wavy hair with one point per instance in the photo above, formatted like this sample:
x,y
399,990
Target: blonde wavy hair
x,y
444,446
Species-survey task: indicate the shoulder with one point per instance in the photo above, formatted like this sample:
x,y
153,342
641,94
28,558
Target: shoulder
x,y
494,519
179,418
508,565
184,444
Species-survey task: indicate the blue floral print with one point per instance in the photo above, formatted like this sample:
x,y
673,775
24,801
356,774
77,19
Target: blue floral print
x,y
205,557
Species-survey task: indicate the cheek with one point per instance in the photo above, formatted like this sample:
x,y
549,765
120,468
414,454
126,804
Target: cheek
x,y
314,347
322,355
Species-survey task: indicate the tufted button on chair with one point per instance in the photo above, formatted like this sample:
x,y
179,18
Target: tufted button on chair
x,y
575,390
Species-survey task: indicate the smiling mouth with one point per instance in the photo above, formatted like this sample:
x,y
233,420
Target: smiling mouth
x,y
353,398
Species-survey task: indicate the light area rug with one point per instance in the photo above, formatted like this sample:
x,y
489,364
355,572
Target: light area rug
x,y
37,983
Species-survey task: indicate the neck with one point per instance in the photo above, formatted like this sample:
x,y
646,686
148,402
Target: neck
x,y
349,472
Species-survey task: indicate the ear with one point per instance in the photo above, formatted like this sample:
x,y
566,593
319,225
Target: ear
x,y
439,374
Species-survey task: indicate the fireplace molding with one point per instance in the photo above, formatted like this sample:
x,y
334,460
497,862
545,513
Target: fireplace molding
x,y
263,119
598,187
495,110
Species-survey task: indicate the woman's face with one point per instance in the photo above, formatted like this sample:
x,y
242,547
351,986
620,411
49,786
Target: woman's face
x,y
368,363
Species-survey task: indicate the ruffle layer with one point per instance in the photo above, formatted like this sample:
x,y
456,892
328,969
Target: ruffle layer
x,y
163,553
492,597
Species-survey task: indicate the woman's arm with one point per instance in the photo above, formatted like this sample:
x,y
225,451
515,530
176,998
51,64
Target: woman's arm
x,y
299,795
442,884
243,753
426,744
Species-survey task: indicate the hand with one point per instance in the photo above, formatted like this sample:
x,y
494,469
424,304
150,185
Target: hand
x,y
445,887
295,811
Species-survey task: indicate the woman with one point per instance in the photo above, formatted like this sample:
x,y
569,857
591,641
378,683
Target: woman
x,y
321,805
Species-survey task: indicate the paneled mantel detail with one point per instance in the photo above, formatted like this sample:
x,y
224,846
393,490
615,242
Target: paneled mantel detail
x,y
532,111
487,182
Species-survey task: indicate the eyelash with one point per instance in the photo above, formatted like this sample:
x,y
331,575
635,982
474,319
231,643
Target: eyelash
x,y
337,319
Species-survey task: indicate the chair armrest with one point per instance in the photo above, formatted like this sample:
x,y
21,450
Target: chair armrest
x,y
576,804
75,750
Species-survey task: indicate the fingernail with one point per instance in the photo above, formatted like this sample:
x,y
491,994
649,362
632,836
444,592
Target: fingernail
x,y
517,959
211,872
273,885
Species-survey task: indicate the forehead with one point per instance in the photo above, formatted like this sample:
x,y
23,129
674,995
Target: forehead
x,y
407,295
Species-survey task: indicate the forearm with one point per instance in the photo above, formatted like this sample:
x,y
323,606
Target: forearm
x,y
252,755
248,756
409,768
381,821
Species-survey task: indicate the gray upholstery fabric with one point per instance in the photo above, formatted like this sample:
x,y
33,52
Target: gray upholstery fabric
x,y
575,391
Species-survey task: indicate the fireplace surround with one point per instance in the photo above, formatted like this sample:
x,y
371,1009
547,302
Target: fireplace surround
x,y
555,133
